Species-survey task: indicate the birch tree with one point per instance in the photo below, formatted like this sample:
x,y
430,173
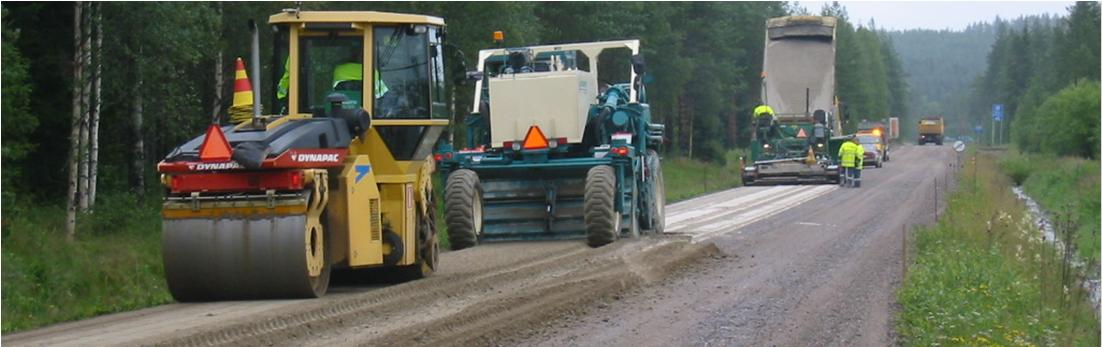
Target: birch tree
x,y
95,114
74,134
85,96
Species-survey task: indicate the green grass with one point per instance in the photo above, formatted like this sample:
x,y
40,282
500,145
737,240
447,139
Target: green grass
x,y
113,265
1068,189
686,178
983,276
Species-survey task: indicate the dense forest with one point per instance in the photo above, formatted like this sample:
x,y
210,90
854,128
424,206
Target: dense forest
x,y
121,84
1046,74
940,66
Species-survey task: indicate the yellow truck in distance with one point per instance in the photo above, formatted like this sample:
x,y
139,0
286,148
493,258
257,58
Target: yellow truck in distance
x,y
931,129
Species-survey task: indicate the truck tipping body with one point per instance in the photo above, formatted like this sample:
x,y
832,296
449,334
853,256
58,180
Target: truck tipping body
x,y
931,129
798,84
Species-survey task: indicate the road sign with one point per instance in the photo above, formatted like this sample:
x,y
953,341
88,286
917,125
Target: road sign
x,y
978,129
958,146
997,112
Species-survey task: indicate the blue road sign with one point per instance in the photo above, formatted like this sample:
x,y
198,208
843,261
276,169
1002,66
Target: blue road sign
x,y
978,129
997,112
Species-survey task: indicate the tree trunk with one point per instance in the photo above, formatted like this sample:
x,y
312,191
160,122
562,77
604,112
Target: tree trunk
x,y
682,124
219,80
732,123
138,164
74,135
98,78
219,75
85,95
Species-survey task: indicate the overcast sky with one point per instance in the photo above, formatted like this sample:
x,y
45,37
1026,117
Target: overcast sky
x,y
954,15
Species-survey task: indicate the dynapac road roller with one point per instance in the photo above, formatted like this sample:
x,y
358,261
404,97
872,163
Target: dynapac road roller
x,y
339,177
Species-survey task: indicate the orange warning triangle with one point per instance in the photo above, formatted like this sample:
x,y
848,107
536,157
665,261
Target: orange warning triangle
x,y
535,138
801,134
215,147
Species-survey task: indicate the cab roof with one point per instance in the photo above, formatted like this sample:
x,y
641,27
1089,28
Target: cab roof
x,y
780,22
288,17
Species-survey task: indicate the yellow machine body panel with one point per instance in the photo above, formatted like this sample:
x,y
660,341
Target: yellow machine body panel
x,y
354,214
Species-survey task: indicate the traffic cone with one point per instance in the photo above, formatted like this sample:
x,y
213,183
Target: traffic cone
x,y
242,108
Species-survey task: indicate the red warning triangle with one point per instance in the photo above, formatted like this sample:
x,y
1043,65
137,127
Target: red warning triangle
x,y
801,134
215,147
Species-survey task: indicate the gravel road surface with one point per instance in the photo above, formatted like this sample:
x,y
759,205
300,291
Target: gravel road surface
x,y
783,265
820,273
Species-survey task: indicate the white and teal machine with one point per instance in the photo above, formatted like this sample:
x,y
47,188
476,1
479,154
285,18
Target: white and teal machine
x,y
555,148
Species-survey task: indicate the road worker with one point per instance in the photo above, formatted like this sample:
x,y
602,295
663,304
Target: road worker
x,y
859,157
846,154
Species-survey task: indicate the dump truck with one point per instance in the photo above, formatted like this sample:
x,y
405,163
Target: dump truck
x,y
795,144
931,129
269,207
556,148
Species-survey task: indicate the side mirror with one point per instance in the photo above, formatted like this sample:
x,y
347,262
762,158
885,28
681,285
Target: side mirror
x,y
459,67
459,73
638,64
474,76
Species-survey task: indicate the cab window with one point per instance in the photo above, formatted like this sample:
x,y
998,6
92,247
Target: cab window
x,y
402,65
329,64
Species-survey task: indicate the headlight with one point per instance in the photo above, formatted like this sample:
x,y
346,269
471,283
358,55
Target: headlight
x,y
766,146
819,145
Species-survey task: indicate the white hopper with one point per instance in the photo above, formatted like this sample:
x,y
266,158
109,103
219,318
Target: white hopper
x,y
558,102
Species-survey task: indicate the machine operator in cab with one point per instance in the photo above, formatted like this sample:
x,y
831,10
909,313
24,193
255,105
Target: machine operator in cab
x,y
763,120
346,76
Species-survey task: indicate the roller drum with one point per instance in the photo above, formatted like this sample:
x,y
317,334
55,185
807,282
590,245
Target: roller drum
x,y
245,258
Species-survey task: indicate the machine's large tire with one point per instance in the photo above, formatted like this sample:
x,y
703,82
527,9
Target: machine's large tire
x,y
602,222
397,247
428,248
463,208
656,203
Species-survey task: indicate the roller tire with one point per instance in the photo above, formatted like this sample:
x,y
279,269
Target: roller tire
x,y
657,201
602,222
463,209
397,248
428,246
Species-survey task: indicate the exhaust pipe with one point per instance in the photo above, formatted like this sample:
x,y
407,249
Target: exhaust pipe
x,y
254,61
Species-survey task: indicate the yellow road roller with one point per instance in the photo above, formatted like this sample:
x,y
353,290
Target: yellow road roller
x,y
337,177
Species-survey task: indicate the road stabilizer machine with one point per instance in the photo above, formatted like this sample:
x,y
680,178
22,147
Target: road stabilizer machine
x,y
798,144
339,178
555,148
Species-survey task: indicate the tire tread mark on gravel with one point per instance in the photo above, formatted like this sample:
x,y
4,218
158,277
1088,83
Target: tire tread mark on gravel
x,y
384,298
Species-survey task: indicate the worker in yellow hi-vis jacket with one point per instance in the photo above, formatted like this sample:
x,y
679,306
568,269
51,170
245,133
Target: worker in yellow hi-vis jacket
x,y
847,154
